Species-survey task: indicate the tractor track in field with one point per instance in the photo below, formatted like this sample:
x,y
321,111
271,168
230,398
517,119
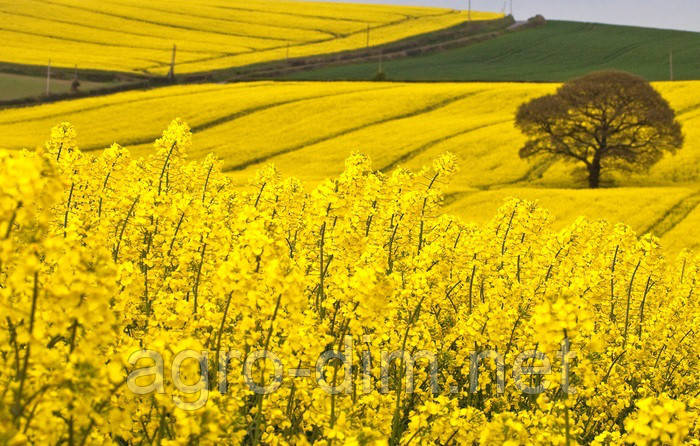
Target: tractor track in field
x,y
269,156
156,23
675,215
309,16
253,110
236,115
451,198
219,19
426,146
111,104
100,28
96,43
687,110
534,172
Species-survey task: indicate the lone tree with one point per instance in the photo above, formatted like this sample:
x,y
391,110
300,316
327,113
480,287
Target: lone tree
x,y
605,120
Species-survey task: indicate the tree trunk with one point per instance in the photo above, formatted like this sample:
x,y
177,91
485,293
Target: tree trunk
x,y
594,174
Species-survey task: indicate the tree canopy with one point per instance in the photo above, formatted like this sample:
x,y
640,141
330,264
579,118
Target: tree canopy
x,y
608,120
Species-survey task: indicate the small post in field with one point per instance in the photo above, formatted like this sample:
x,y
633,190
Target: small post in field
x,y
171,73
76,82
287,51
670,64
368,35
48,79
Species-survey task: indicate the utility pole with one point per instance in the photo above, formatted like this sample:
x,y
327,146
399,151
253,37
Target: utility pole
x,y
76,83
287,51
171,74
670,64
368,35
469,11
48,79
511,8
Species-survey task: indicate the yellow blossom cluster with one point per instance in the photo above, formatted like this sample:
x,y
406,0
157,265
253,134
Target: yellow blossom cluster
x,y
146,301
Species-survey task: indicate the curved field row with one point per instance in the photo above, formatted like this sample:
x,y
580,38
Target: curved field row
x,y
685,234
631,205
133,36
308,129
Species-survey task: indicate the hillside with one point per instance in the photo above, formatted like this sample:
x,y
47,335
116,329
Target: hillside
x,y
555,52
131,36
308,129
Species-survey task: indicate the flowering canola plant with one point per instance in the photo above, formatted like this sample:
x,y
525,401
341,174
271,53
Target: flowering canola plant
x,y
103,256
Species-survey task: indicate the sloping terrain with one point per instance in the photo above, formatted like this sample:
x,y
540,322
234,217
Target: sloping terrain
x,y
137,37
554,52
308,129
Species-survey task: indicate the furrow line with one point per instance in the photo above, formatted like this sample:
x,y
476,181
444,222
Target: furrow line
x,y
675,215
233,116
264,158
164,24
417,151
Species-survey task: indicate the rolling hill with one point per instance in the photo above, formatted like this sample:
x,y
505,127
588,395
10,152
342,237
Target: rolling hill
x,y
132,36
308,129
555,52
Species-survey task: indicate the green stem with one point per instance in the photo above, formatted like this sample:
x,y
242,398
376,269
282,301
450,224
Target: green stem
x,y
65,217
165,166
396,422
25,365
199,274
629,299
121,232
12,220
206,183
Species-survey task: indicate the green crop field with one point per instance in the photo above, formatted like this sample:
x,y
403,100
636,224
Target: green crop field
x,y
556,51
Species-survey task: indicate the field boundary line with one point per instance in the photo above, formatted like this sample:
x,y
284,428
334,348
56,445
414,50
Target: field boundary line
x,y
459,35
674,215
163,24
218,19
428,109
253,110
105,44
309,16
425,146
233,116
110,104
99,28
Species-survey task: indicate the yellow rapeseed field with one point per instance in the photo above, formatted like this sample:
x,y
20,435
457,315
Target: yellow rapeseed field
x,y
308,129
137,36
150,300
